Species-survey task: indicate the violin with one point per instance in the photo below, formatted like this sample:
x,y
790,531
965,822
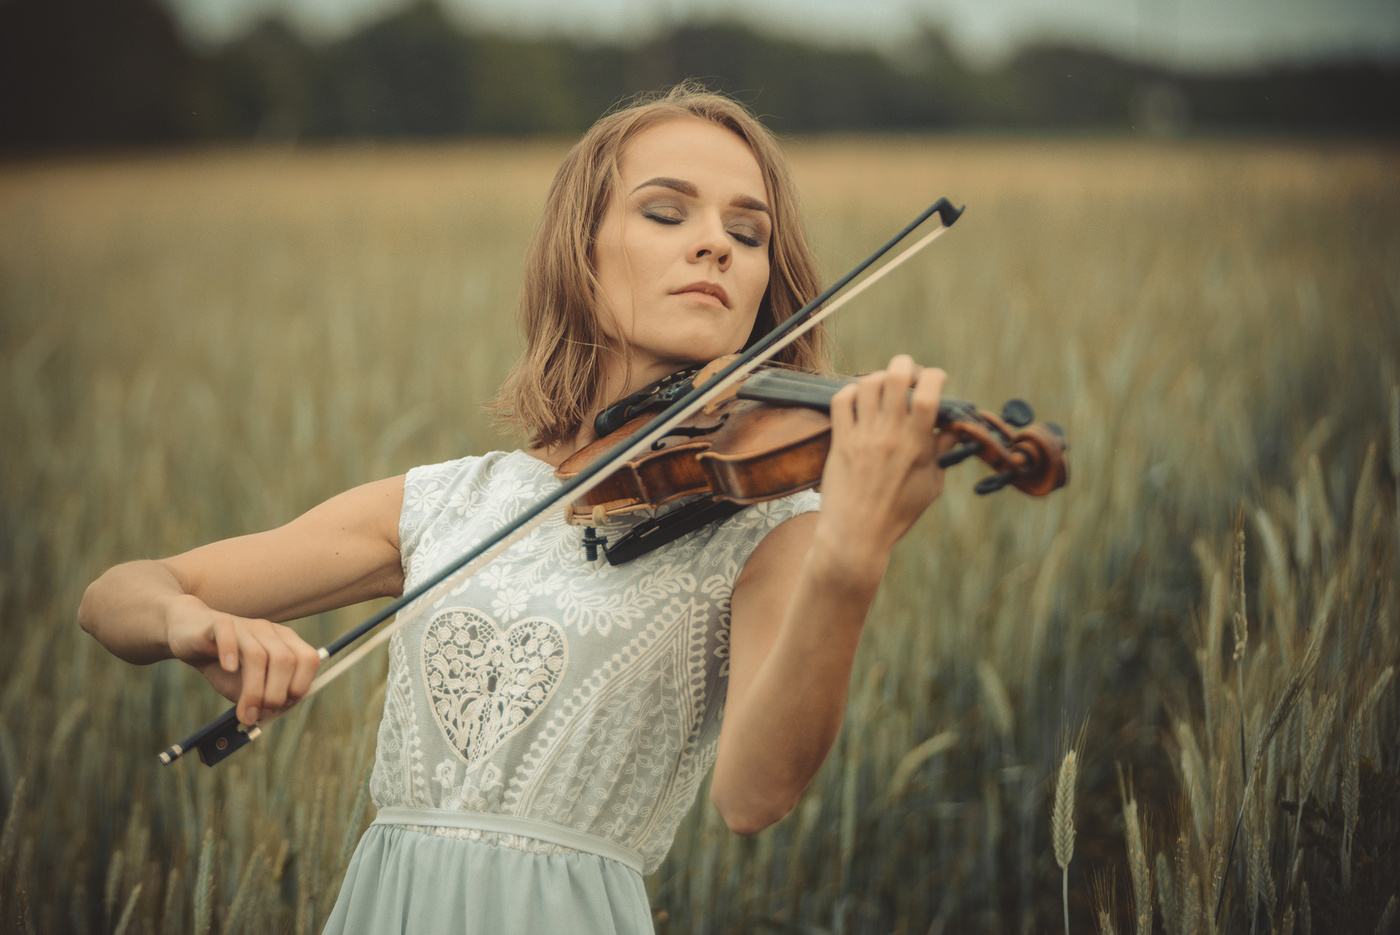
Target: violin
x,y
767,437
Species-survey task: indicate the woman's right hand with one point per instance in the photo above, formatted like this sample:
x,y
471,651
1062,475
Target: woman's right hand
x,y
341,552
263,666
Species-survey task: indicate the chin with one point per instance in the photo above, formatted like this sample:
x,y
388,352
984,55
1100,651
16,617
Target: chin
x,y
680,352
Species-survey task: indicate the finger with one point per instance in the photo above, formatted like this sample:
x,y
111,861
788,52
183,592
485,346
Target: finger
x,y
843,410
254,657
307,659
281,666
903,365
924,400
226,644
899,377
869,389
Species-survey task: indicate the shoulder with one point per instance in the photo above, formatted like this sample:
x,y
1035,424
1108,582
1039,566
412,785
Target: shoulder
x,y
428,485
764,527
761,518
453,490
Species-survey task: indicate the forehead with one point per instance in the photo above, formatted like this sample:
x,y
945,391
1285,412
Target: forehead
x,y
693,150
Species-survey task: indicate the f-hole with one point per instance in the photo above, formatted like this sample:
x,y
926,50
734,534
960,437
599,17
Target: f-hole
x,y
689,431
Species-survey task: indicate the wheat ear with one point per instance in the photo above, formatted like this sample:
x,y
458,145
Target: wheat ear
x,y
129,911
1062,824
1240,621
1387,923
1351,795
1281,710
1137,863
204,886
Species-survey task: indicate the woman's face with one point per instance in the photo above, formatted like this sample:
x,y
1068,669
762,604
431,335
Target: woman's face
x,y
682,253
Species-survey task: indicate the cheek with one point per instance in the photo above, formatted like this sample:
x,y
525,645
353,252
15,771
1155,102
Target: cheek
x,y
758,287
614,298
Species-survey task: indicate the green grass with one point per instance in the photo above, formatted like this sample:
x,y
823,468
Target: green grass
x,y
198,345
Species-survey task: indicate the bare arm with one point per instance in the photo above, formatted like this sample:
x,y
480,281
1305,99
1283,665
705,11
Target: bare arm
x,y
800,603
219,607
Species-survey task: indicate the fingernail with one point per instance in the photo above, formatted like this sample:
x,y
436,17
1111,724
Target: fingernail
x,y
230,661
253,715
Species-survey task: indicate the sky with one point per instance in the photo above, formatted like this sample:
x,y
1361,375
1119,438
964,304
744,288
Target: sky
x,y
1189,33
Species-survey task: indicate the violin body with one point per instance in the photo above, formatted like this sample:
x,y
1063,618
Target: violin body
x,y
770,437
747,452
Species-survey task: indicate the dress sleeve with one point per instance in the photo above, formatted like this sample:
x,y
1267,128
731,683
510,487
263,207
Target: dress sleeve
x,y
750,525
426,492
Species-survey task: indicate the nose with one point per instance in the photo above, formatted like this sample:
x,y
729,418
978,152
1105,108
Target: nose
x,y
711,242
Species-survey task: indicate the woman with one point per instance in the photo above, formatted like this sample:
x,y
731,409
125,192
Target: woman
x,y
545,733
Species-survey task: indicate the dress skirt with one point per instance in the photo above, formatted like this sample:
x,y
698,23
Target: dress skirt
x,y
407,881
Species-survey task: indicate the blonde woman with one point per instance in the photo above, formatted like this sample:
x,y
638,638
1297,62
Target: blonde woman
x,y
544,735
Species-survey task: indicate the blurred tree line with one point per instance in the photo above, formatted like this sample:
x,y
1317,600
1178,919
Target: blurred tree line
x,y
101,72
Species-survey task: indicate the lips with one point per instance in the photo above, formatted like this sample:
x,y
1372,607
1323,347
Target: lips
x,y
706,288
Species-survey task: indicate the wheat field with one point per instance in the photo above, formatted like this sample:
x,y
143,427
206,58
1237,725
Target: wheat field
x,y
1062,708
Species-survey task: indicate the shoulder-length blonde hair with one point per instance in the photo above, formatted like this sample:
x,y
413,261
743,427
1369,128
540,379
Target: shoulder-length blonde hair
x,y
554,386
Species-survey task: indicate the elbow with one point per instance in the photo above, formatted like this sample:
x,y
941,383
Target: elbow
x,y
85,609
97,600
749,817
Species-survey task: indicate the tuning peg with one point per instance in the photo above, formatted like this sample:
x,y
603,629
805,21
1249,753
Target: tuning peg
x,y
994,483
1017,412
959,454
1055,428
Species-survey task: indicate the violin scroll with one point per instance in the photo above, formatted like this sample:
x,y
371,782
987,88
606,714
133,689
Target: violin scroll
x,y
1025,454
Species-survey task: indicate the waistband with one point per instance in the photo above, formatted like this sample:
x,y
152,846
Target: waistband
x,y
545,831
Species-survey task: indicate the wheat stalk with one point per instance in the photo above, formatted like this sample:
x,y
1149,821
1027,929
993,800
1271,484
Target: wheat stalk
x,y
1351,794
1191,906
1395,456
171,907
255,868
1166,893
1316,727
1137,865
129,911
1267,888
9,837
1240,622
1386,926
1103,896
1062,824
1261,878
1378,688
1281,710
204,885
115,866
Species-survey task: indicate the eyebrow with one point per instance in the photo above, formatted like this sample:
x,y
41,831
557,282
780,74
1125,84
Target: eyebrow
x,y
688,189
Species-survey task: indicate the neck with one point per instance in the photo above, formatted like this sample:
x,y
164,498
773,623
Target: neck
x,y
555,454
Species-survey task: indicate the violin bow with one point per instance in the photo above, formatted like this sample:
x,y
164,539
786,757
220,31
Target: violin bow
x,y
224,735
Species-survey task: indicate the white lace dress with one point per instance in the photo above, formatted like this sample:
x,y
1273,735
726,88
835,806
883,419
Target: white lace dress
x,y
546,731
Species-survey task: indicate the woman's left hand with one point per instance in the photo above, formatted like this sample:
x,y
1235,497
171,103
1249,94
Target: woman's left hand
x,y
882,471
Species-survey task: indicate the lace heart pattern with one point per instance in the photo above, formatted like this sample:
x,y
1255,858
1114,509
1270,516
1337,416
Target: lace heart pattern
x,y
485,685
